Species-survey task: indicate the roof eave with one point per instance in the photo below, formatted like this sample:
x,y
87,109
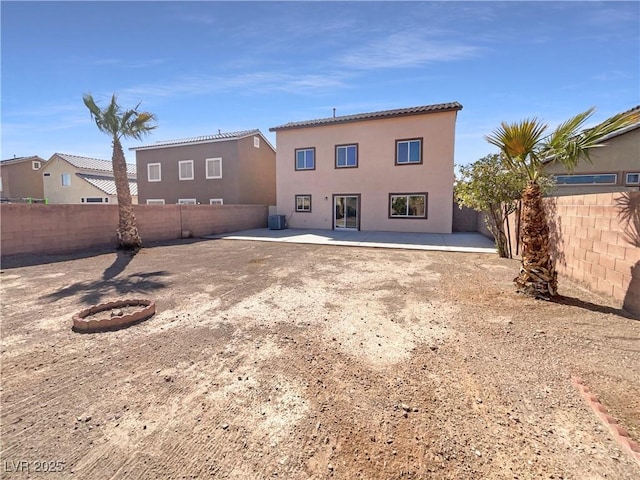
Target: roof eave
x,y
321,122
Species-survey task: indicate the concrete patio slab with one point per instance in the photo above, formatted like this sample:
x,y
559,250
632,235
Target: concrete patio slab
x,y
454,242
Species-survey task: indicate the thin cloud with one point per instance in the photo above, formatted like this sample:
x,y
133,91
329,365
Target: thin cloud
x,y
259,82
405,50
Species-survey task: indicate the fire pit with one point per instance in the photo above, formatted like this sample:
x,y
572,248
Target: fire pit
x,y
121,313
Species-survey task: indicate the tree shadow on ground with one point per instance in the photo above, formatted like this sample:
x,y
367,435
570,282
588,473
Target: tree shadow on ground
x,y
93,292
576,302
123,258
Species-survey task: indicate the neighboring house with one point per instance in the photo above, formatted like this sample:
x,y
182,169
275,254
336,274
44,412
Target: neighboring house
x,y
20,179
386,171
73,179
613,168
227,168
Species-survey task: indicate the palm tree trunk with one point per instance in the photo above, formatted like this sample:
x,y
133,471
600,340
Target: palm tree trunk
x,y
538,276
128,237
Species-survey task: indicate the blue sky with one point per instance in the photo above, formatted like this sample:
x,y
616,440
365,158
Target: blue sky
x,y
208,66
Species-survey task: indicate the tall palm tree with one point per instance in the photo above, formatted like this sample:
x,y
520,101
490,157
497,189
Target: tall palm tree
x,y
526,147
118,123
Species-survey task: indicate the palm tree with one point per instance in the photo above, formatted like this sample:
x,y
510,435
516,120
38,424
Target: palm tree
x,y
118,123
526,147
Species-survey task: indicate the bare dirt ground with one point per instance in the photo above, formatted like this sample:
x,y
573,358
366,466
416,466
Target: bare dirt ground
x,y
271,360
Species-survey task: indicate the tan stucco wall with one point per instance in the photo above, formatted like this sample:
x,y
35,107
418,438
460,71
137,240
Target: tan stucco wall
x,y
248,173
20,180
376,176
621,155
54,192
257,172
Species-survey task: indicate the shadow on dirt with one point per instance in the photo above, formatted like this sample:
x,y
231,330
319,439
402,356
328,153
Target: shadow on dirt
x,y
32,259
132,285
576,302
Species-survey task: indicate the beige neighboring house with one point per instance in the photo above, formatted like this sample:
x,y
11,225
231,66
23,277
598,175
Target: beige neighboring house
x,y
21,180
614,168
74,179
227,168
382,171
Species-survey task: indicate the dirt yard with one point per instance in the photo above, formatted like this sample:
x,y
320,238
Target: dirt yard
x,y
271,360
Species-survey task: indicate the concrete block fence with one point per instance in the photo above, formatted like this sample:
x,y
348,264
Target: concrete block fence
x,y
53,229
596,241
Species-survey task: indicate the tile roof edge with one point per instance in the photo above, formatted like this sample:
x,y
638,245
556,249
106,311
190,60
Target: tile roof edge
x,y
221,137
377,115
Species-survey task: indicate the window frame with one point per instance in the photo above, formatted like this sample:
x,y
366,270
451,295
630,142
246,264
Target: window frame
x,y
187,201
93,200
626,178
256,141
155,201
346,146
62,177
295,158
407,195
149,165
33,164
185,162
578,175
206,167
408,141
302,196
216,201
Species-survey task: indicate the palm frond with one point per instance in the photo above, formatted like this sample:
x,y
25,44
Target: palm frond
x,y
570,142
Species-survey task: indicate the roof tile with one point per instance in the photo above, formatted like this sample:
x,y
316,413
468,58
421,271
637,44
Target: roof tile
x,y
399,112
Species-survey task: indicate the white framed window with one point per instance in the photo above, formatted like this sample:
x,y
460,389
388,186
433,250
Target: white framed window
x,y
185,169
213,167
347,156
596,179
186,201
155,201
409,151
66,179
303,203
305,158
256,142
407,205
36,165
216,201
632,178
154,172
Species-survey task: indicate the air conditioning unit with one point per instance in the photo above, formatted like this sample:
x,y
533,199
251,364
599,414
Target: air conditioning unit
x,y
277,222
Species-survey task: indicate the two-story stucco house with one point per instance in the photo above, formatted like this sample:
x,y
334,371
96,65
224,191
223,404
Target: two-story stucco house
x,y
227,168
387,171
20,179
74,179
613,168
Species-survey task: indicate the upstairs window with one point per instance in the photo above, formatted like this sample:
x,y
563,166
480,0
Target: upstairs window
x,y
187,201
185,170
36,165
155,201
66,179
154,172
598,179
256,142
408,151
632,178
214,167
306,158
346,156
216,201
